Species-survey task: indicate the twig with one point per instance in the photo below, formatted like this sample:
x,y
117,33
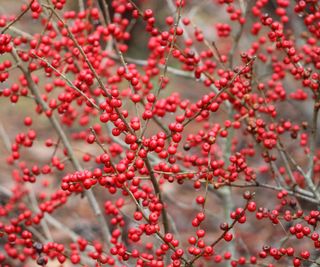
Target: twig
x,y
225,193
68,82
275,188
159,194
190,263
17,18
95,74
165,64
43,223
58,128
313,144
31,192
159,235
236,39
81,5
26,35
220,92
141,62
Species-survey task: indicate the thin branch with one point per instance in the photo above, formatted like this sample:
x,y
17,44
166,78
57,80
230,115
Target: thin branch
x,y
26,35
43,223
214,243
159,194
58,128
313,144
31,193
172,45
94,72
224,89
17,18
236,40
68,81
159,235
274,188
81,5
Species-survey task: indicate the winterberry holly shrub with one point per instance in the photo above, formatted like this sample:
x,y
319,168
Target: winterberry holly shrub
x,y
160,133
